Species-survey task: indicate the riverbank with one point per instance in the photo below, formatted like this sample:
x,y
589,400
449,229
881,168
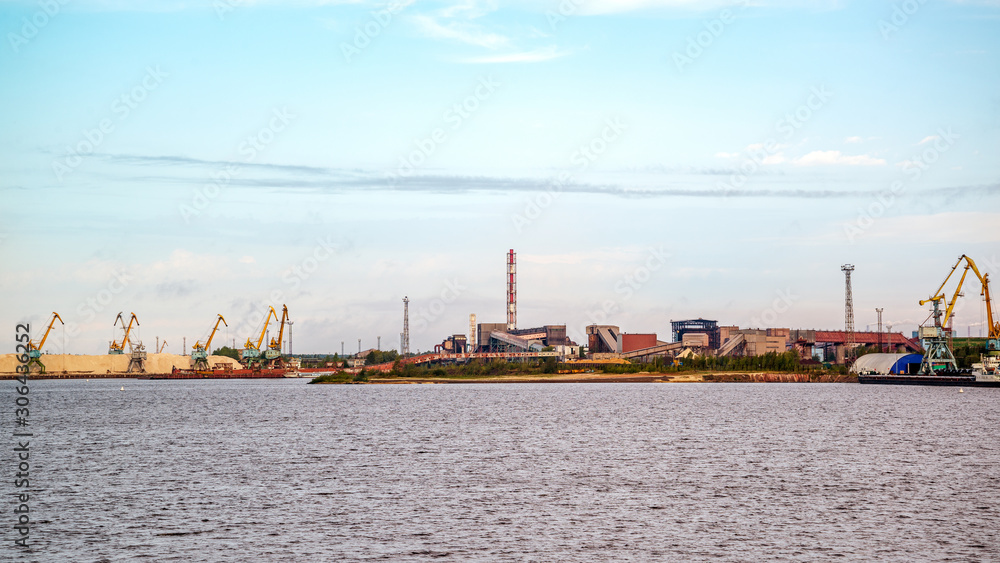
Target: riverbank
x,y
641,377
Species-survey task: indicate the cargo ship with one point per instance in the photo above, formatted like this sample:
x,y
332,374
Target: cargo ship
x,y
965,378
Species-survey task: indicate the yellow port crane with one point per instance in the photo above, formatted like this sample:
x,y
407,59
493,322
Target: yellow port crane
x,y
272,355
199,354
119,348
35,349
937,354
251,350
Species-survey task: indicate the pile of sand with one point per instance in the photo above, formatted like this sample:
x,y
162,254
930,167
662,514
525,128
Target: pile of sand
x,y
66,363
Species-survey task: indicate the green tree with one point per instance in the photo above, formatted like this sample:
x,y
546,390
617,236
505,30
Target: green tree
x,y
227,352
380,357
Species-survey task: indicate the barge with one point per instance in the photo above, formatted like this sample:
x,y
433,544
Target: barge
x,y
953,379
223,374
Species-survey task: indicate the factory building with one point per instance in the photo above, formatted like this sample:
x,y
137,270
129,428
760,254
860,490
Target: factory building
x,y
831,345
752,342
483,332
603,339
823,345
454,344
496,337
608,339
548,335
696,326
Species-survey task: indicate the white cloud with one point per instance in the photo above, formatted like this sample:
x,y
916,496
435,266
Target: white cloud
x,y
822,158
248,260
620,6
928,139
460,31
854,139
470,9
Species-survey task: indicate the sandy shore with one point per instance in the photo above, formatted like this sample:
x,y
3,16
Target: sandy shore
x,y
106,365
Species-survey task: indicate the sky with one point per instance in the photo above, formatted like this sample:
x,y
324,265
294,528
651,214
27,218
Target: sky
x,y
647,160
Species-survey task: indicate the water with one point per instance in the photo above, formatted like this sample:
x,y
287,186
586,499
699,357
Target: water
x,y
279,470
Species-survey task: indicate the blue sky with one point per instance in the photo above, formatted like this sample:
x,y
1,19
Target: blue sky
x,y
648,160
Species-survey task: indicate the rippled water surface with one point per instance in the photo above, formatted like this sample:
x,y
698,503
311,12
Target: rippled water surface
x,y
280,470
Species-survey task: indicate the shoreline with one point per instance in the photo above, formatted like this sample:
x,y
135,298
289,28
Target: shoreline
x,y
641,377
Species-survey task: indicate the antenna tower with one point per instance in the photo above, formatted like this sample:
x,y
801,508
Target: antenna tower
x,y
848,316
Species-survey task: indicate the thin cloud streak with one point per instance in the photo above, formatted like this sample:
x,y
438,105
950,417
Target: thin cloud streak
x,y
333,180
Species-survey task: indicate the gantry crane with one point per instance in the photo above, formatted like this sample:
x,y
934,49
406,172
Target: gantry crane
x,y
993,335
937,354
199,355
35,350
116,347
137,352
251,350
991,359
272,356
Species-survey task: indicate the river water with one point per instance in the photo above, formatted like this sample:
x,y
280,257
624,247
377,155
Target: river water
x,y
273,470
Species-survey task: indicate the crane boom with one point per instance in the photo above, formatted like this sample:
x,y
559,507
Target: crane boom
x,y
939,295
938,354
129,329
263,331
117,348
970,264
994,332
276,344
208,343
35,350
41,344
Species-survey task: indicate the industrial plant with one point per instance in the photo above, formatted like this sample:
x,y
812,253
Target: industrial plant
x,y
887,354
